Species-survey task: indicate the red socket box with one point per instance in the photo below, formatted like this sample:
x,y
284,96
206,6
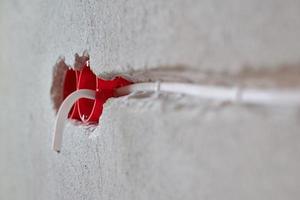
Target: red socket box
x,y
88,110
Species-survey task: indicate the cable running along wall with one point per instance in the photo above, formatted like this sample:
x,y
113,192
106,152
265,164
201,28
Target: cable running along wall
x,y
84,95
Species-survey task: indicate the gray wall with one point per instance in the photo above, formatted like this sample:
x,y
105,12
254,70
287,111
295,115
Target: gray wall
x,y
148,146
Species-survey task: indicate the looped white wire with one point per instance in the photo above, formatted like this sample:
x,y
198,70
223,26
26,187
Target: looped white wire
x,y
63,112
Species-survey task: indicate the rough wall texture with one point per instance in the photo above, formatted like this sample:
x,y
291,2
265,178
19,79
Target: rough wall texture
x,y
147,147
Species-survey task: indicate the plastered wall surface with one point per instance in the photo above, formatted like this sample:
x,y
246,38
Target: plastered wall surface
x,y
147,146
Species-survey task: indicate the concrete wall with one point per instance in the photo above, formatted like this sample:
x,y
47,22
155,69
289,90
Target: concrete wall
x,y
149,146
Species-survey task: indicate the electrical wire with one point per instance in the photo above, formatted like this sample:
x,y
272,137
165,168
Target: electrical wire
x,y
220,93
63,112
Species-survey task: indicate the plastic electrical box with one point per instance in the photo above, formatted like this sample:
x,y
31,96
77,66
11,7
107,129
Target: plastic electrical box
x,y
89,110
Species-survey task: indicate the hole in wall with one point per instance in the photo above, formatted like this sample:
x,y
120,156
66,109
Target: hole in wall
x,y
70,85
58,78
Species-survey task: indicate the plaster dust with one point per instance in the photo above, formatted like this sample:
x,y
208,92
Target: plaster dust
x,y
148,147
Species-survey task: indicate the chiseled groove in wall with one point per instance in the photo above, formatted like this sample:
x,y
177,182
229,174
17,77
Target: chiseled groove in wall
x,y
283,76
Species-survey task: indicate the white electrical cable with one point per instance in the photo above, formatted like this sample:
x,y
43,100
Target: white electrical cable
x,y
219,93
256,96
236,94
63,112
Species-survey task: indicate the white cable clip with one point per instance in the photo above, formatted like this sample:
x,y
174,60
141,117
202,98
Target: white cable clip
x,y
239,94
157,86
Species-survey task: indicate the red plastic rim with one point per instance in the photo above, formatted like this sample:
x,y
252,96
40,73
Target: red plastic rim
x,y
69,86
88,108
